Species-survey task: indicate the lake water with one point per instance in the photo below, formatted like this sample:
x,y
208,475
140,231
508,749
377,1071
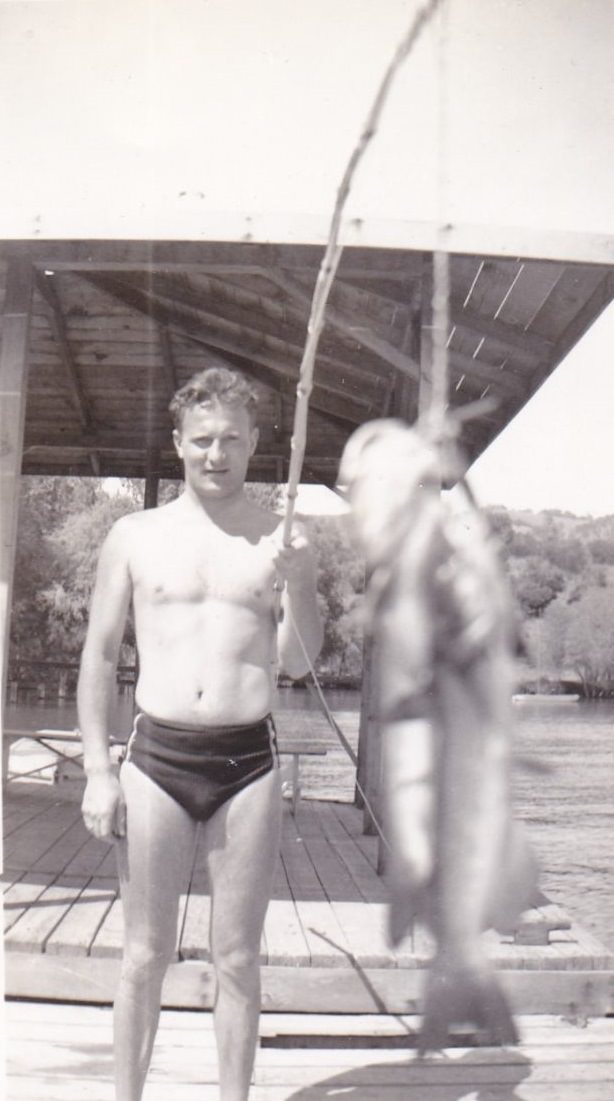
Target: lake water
x,y
568,805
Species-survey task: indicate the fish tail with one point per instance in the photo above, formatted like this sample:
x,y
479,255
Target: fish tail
x,y
462,1001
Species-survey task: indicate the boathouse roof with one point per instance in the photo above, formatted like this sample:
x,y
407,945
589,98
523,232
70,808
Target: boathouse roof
x,y
116,327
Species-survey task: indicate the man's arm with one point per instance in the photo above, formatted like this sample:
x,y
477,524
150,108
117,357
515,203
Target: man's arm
x,y
102,804
299,607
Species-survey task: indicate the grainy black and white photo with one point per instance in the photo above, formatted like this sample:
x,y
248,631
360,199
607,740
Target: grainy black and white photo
x,y
307,550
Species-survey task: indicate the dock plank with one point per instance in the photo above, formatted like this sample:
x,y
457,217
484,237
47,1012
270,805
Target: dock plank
x,y
63,1053
370,886
351,820
328,946
194,942
20,896
302,876
331,871
109,937
30,933
325,921
9,876
62,852
25,846
76,932
108,864
280,888
16,814
285,937
89,857
364,927
48,1088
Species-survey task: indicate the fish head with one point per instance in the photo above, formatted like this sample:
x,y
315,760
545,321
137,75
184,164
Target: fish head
x,y
387,468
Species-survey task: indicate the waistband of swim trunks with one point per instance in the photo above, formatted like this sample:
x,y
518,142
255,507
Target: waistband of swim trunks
x,y
153,724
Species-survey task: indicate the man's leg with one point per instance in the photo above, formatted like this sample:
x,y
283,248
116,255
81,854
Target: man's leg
x,y
242,842
154,864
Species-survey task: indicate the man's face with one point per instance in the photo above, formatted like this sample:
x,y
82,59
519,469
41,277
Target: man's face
x,y
215,442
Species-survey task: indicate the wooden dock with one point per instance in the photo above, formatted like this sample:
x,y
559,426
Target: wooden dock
x,y
323,948
63,1053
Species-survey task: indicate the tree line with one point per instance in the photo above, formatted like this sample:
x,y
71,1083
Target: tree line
x,y
560,568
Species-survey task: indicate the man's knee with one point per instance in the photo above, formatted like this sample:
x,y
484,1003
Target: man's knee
x,y
237,966
145,962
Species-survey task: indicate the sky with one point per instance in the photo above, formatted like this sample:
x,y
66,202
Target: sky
x,y
558,451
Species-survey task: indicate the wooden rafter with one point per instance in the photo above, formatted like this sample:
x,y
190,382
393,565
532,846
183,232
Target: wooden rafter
x,y
222,304
346,323
601,297
267,352
46,288
530,343
479,373
98,255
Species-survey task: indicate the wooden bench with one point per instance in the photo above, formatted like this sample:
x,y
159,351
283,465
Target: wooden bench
x,y
64,768
48,738
297,748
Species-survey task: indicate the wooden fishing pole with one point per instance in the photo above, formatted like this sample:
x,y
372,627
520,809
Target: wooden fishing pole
x,y
330,262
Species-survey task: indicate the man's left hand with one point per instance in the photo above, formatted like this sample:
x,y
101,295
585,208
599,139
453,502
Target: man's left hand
x,y
293,562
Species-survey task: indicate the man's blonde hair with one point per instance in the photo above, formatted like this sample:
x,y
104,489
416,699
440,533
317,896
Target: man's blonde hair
x,y
214,384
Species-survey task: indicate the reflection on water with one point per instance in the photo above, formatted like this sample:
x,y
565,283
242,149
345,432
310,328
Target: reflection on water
x,y
569,809
62,714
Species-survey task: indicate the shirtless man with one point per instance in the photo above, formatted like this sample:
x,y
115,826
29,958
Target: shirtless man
x,y
201,573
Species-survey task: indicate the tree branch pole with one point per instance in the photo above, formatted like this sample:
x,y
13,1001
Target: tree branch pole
x,y
330,262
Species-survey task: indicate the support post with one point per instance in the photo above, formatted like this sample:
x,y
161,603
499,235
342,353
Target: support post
x,y
369,741
13,384
426,335
152,477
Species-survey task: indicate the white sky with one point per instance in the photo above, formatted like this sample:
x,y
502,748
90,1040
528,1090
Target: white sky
x,y
214,120
559,451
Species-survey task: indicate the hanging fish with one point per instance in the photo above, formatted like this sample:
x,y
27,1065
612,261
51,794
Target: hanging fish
x,y
443,625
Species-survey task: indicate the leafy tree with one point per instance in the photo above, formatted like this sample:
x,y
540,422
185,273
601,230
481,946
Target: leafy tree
x,y
340,588
501,524
44,503
568,554
523,544
76,545
581,636
602,551
536,583
266,494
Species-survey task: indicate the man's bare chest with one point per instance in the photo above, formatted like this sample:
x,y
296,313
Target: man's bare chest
x,y
180,570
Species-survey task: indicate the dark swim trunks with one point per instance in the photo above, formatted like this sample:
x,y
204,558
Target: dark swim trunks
x,y
201,767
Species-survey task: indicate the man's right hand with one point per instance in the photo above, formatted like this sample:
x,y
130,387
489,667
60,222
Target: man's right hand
x,y
103,807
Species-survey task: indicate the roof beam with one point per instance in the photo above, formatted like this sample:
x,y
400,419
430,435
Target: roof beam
x,y
250,345
183,293
497,378
386,351
48,292
586,315
510,335
357,260
82,444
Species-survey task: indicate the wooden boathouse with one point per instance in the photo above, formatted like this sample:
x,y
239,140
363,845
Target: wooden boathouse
x,y
157,216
